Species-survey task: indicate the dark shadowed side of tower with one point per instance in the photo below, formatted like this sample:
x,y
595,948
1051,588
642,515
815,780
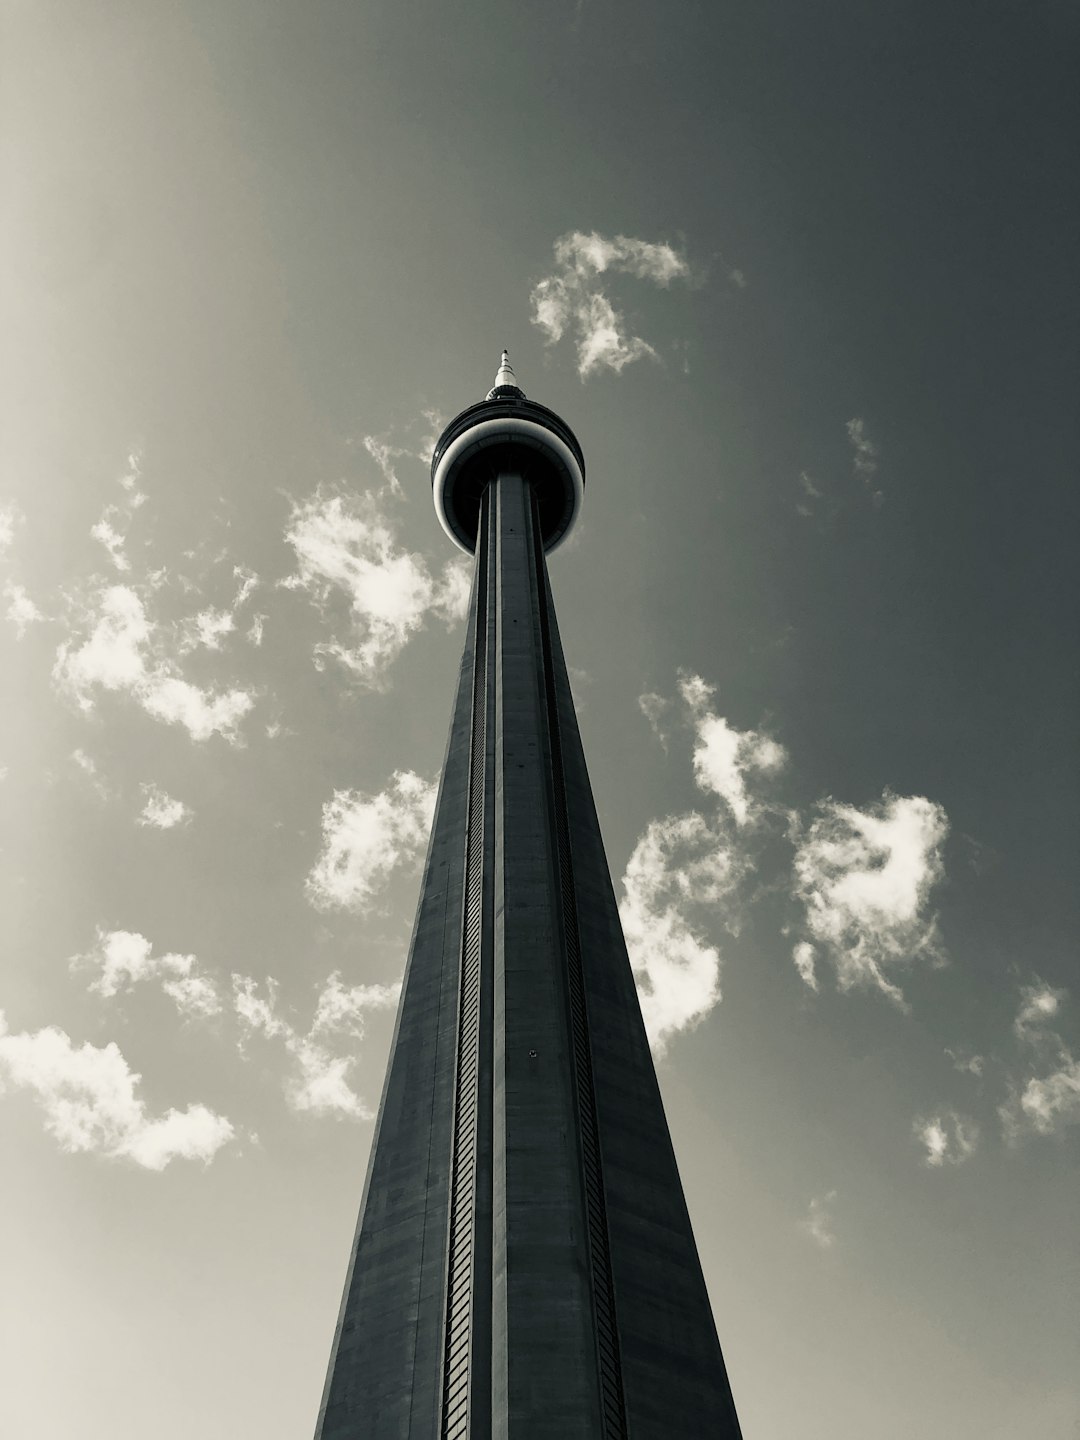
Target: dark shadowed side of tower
x,y
524,1266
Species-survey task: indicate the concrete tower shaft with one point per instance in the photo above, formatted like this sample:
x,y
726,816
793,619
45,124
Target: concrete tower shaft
x,y
524,1266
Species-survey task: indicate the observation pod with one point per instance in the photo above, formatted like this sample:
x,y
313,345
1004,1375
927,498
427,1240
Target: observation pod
x,y
507,434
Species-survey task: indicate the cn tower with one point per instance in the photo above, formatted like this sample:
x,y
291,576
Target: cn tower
x,y
524,1266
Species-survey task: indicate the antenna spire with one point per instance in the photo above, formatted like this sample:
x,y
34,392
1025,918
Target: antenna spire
x,y
505,377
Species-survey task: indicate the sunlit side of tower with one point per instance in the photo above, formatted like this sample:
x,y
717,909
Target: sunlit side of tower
x,y
524,1264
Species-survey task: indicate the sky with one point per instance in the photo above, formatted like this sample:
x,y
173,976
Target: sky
x,y
802,281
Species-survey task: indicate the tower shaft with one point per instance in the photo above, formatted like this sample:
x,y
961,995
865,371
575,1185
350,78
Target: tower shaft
x,y
524,1266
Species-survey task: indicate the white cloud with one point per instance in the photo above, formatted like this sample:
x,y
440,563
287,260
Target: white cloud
x,y
804,957
818,1220
966,1063
366,837
10,519
207,629
124,958
89,1096
725,758
160,810
112,539
1049,1102
948,1138
122,654
1040,1003
323,1057
89,768
679,861
347,547
654,707
864,878
21,611
864,457
571,300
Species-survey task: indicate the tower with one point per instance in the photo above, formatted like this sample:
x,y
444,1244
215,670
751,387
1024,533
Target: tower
x,y
524,1266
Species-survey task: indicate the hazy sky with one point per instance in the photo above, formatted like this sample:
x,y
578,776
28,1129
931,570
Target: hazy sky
x,y
802,278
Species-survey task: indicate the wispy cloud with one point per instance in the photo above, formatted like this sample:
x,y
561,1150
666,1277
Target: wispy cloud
x,y
160,811
687,867
10,519
679,862
1044,1103
725,759
947,1138
1039,1005
818,1223
366,837
571,301
864,458
21,611
864,878
324,1055
116,647
965,1063
121,959
89,1095
347,550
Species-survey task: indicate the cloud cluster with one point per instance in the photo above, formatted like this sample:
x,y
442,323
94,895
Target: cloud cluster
x,y
119,649
121,959
89,1095
323,1056
947,1138
571,301
864,878
366,837
346,548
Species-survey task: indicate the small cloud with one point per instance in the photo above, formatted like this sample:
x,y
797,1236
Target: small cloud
x,y
571,301
160,810
810,495
864,457
21,611
726,759
325,1055
1046,1103
346,548
864,878
1040,1004
804,957
10,519
947,1138
654,707
89,1095
965,1063
89,768
254,633
113,541
366,837
738,279
817,1223
678,862
124,958
207,629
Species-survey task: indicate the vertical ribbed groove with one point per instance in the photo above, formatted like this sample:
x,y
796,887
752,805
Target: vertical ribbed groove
x,y
461,1268
607,1341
